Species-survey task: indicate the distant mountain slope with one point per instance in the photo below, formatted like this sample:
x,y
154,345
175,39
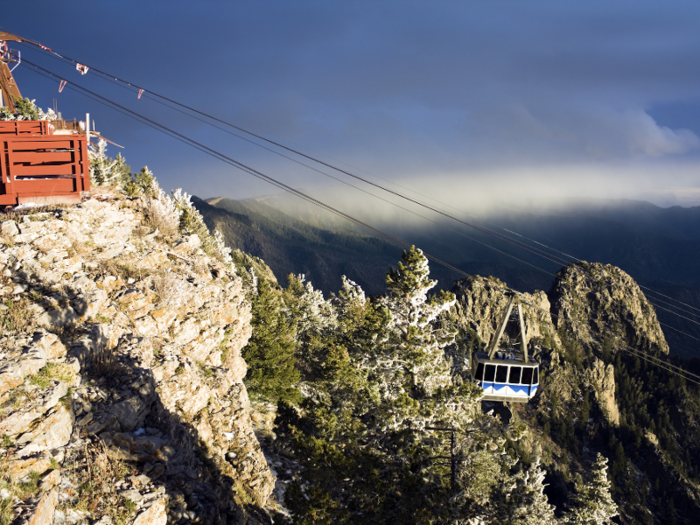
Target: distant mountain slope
x,y
289,245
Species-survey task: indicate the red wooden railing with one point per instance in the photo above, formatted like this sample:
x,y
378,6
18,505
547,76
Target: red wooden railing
x,y
37,165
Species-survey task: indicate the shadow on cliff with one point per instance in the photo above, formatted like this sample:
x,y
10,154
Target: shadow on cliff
x,y
132,425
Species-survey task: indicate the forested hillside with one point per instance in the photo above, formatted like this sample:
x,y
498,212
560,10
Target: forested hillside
x,y
289,245
383,382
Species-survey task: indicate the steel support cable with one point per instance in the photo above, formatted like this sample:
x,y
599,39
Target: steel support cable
x,y
671,305
345,183
650,359
671,298
253,172
570,257
213,153
483,229
672,312
573,259
171,134
661,365
309,157
679,331
353,186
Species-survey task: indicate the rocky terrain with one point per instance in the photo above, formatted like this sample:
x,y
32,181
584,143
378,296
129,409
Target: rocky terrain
x,y
593,334
121,394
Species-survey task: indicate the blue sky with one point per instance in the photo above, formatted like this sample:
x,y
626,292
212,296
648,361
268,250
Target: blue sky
x,y
541,99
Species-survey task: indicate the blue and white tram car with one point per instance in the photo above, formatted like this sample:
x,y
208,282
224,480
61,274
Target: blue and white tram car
x,y
507,379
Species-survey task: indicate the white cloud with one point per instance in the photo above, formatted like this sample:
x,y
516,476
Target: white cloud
x,y
645,136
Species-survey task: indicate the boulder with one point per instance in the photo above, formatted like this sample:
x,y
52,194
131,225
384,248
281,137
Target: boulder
x,y
51,432
154,515
44,511
18,421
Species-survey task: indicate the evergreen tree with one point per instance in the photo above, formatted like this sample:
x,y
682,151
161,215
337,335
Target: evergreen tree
x,y
307,307
415,339
141,183
594,504
373,433
522,500
104,170
270,351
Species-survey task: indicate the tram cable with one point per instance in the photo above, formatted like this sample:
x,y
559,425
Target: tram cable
x,y
308,157
669,367
535,251
123,83
201,147
247,169
352,186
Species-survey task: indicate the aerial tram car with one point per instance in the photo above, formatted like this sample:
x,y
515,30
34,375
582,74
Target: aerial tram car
x,y
505,375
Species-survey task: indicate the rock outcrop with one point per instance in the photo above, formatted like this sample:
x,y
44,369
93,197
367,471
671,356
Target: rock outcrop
x,y
482,302
596,302
601,379
592,313
121,391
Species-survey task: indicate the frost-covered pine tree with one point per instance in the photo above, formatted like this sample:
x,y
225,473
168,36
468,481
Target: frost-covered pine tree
x,y
408,370
310,310
192,222
416,339
105,170
521,500
594,504
100,165
378,382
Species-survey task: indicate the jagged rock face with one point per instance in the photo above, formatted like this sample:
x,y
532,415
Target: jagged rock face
x,y
129,349
601,379
482,302
594,301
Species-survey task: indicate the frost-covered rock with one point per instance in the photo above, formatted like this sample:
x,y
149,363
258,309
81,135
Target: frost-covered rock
x,y
482,302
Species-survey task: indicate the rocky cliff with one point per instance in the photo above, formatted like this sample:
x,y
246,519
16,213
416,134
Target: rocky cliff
x,y
121,394
593,333
596,302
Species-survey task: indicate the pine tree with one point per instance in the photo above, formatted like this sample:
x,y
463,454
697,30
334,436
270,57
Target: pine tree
x,y
310,311
25,109
269,353
521,500
381,386
594,504
104,170
140,183
414,339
